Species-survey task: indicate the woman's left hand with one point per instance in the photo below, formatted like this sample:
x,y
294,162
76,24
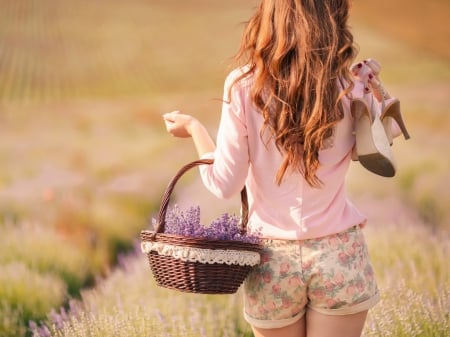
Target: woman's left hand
x,y
178,124
368,71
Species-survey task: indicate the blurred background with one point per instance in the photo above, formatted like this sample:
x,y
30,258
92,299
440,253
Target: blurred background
x,y
85,158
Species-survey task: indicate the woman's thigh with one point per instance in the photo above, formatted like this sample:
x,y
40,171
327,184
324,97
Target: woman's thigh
x,y
315,324
321,325
298,329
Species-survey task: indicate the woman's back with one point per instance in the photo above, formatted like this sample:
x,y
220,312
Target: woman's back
x,y
293,209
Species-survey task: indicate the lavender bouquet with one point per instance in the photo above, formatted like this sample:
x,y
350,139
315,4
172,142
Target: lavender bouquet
x,y
187,223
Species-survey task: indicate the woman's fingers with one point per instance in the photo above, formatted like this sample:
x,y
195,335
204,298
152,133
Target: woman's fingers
x,y
355,68
170,116
374,65
366,67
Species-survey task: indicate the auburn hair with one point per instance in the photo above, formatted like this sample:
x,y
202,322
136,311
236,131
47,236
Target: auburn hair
x,y
298,52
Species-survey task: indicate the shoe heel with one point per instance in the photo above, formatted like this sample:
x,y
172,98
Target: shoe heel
x,y
387,125
393,111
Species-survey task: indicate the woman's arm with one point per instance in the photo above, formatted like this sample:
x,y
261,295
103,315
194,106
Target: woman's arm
x,y
227,176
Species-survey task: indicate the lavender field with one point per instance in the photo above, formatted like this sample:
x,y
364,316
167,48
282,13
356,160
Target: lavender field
x,y
85,159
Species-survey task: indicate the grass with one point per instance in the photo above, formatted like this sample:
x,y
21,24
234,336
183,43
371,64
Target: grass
x,y
85,159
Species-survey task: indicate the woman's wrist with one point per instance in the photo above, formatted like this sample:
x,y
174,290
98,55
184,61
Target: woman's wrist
x,y
201,138
194,127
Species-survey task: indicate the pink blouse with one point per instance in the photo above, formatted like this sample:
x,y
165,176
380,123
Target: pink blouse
x,y
294,210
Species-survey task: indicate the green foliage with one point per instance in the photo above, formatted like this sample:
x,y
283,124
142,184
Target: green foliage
x,y
126,49
44,251
424,186
29,293
11,321
409,251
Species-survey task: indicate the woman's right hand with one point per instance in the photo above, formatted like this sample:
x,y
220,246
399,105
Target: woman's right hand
x,y
179,124
184,126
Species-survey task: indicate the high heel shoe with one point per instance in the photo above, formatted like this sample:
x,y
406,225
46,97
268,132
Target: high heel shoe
x,y
391,111
372,145
367,72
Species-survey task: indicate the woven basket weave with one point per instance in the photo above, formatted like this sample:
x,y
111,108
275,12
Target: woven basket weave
x,y
197,277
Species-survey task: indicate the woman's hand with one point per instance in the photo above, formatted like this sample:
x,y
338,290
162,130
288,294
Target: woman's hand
x,y
368,71
184,126
179,125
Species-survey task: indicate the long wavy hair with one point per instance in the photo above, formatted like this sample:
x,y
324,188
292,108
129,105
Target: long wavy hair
x,y
298,51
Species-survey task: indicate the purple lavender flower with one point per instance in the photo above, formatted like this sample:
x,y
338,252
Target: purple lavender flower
x,y
44,331
38,330
56,319
32,325
187,223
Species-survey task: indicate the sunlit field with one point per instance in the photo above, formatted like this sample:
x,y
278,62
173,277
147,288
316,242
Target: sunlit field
x,y
85,159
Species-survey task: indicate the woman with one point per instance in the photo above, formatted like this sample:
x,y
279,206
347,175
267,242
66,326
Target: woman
x,y
286,133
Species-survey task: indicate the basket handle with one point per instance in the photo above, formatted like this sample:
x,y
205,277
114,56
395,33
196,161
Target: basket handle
x,y
170,187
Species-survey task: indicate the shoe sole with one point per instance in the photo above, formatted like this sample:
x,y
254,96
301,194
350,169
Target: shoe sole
x,y
372,146
378,164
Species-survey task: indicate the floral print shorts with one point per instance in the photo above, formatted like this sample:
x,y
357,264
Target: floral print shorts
x,y
331,275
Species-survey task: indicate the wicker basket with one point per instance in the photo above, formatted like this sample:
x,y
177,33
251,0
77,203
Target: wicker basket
x,y
171,271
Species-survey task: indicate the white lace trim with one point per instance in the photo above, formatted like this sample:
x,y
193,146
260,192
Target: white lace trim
x,y
190,254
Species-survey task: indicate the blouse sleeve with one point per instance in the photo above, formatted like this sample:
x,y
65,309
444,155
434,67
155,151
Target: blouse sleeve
x,y
226,176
